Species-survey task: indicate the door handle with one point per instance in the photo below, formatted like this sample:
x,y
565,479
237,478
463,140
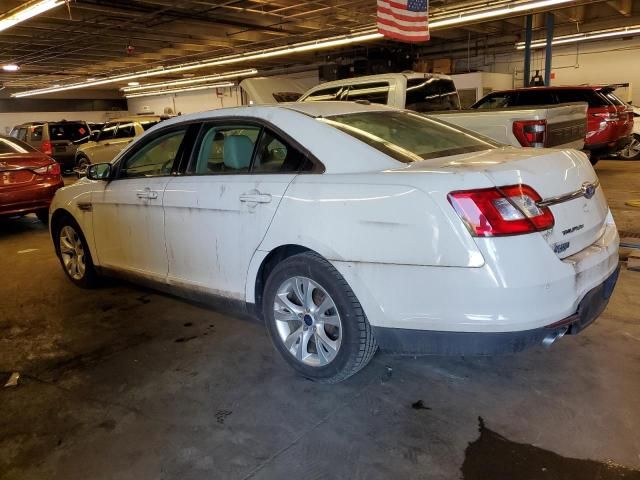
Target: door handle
x,y
254,197
147,194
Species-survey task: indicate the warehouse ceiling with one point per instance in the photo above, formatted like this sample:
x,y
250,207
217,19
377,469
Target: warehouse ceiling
x,y
93,38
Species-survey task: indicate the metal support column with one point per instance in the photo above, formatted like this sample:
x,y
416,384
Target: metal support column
x,y
527,49
550,20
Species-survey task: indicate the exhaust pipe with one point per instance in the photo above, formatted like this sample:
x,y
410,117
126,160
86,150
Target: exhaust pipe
x,y
552,337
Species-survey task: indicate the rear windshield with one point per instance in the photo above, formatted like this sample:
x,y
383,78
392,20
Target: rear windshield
x,y
408,137
592,97
70,131
9,145
431,94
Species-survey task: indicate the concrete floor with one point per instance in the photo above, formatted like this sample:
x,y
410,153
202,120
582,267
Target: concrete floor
x,y
122,382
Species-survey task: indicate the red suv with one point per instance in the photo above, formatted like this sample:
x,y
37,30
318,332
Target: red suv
x,y
28,179
609,120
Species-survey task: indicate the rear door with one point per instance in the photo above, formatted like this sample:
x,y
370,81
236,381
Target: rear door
x,y
217,214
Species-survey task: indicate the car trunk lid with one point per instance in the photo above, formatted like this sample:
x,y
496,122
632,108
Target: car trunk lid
x,y
564,179
19,170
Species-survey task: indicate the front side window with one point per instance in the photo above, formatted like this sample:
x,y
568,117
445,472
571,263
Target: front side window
x,y
408,137
125,130
431,95
225,149
372,92
154,159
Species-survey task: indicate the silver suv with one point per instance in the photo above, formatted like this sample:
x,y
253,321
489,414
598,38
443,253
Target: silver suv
x,y
106,143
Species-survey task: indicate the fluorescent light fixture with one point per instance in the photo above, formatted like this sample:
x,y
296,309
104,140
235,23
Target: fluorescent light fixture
x,y
133,84
192,80
27,11
499,9
584,37
178,90
11,67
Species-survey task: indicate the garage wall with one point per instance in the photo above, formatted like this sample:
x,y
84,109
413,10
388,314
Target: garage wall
x,y
187,102
613,61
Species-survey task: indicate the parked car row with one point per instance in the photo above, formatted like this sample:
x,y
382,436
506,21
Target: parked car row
x,y
74,144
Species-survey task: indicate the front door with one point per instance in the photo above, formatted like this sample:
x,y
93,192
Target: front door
x,y
128,215
218,213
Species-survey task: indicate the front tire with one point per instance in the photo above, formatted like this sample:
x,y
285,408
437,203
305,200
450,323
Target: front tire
x,y
74,254
315,320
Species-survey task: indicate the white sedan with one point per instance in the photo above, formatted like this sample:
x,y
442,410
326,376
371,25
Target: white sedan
x,y
349,227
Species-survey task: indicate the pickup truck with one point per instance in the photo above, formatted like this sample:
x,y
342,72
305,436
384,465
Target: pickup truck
x,y
561,126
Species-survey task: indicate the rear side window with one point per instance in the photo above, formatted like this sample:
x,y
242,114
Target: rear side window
x,y
108,131
371,92
275,156
19,133
593,98
36,133
75,132
535,97
431,94
613,98
286,96
495,100
324,94
125,130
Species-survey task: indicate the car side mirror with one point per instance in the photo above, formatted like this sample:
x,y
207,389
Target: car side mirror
x,y
95,135
99,171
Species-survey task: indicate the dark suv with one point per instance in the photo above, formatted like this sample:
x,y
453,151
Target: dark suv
x,y
59,140
609,120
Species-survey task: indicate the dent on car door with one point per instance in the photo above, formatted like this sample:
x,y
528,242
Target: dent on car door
x,y
218,213
128,214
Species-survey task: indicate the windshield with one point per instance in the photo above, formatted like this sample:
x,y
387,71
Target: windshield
x,y
75,132
9,145
431,94
409,137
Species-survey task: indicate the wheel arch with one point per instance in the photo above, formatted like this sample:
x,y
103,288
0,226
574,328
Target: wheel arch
x,y
268,263
58,215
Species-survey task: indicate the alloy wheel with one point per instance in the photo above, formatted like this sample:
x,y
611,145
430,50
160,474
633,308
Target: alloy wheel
x,y
632,150
307,321
72,252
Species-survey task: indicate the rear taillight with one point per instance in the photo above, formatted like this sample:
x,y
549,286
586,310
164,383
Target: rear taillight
x,y
46,147
610,116
51,169
494,212
531,133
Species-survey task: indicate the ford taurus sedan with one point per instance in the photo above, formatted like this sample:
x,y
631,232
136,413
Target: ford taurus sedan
x,y
349,227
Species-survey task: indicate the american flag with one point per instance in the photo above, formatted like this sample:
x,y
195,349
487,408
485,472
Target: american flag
x,y
405,20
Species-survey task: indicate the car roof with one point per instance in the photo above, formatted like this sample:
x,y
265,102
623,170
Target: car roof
x,y
311,109
563,87
377,78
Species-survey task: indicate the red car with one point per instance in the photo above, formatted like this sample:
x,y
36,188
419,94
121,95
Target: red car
x,y
609,120
28,179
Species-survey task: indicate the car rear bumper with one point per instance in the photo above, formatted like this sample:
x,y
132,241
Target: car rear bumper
x,y
29,199
511,292
609,148
423,342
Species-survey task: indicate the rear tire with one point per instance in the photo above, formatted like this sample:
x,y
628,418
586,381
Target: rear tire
x,y
74,254
631,151
315,320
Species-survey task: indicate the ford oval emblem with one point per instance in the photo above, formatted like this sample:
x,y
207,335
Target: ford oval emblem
x,y
588,190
